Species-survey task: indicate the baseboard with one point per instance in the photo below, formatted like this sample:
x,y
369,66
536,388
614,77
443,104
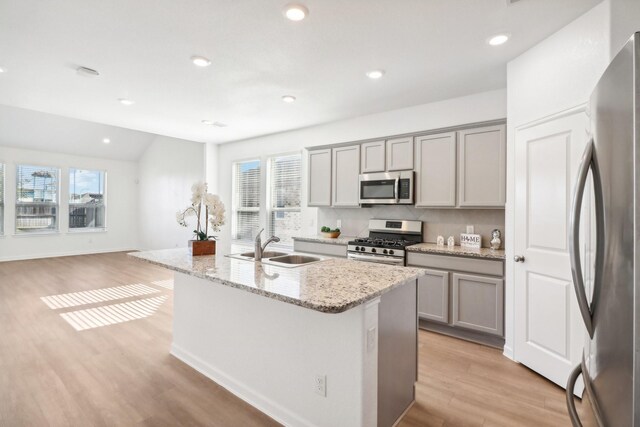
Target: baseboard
x,y
240,390
508,352
63,254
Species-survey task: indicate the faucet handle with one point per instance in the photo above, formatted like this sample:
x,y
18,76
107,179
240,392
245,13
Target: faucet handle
x,y
259,232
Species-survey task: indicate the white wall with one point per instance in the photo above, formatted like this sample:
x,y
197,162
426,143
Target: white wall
x,y
122,208
473,108
167,169
625,20
557,74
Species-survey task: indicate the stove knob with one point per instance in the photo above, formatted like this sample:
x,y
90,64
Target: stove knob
x,y
362,249
385,251
373,250
357,248
390,251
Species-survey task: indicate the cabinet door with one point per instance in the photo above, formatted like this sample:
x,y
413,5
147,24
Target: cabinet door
x,y
346,168
319,185
482,167
436,170
372,157
400,154
478,303
433,296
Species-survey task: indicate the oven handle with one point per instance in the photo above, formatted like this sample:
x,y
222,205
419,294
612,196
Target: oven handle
x,y
376,258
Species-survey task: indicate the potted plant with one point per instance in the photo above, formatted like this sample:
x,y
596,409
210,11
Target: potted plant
x,y
203,243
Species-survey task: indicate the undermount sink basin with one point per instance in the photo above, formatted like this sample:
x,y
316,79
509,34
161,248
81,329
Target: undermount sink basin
x,y
267,254
293,260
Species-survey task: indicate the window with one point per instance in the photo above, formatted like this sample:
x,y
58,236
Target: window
x,y
245,221
86,199
1,198
284,197
36,199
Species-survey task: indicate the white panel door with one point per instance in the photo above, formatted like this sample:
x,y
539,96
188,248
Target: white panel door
x,y
549,333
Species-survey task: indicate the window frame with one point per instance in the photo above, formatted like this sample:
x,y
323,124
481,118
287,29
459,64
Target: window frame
x,y
104,202
234,202
270,209
17,203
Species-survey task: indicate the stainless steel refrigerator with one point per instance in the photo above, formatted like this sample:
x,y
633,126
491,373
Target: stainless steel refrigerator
x,y
610,300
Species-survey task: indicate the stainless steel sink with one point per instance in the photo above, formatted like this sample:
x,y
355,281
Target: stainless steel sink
x,y
267,254
249,256
293,260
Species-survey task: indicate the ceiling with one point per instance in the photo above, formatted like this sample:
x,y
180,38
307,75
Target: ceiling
x,y
431,50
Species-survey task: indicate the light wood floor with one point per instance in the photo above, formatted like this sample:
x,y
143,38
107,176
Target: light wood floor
x,y
123,375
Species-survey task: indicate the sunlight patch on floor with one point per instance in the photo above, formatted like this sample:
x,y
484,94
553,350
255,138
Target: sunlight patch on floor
x,y
167,284
113,314
93,296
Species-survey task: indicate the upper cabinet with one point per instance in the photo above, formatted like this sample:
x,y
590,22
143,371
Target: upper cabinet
x,y
345,180
319,184
436,170
400,154
482,167
372,157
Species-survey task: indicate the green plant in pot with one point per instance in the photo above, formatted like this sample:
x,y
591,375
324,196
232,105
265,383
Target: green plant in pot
x,y
212,207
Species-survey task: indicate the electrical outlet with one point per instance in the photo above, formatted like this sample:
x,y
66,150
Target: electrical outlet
x,y
371,339
339,223
320,385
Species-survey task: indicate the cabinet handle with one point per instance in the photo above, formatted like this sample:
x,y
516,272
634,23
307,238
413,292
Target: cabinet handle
x,y
518,258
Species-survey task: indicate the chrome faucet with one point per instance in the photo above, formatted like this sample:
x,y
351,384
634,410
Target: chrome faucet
x,y
259,247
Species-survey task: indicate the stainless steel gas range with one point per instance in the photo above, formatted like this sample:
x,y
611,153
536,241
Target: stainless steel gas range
x,y
386,242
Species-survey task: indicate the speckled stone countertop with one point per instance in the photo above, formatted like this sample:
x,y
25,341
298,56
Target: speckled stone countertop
x,y
457,250
319,238
331,286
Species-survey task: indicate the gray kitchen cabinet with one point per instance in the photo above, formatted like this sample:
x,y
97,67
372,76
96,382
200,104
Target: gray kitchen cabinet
x,y
319,178
433,296
345,176
436,170
400,154
482,167
372,157
478,303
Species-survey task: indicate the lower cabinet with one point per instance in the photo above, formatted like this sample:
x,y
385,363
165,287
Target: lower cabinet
x,y
461,300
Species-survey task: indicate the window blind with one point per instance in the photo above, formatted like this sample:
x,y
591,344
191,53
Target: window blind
x,y
36,198
284,197
246,200
86,199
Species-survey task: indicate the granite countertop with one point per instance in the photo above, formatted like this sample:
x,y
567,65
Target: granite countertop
x,y
432,248
319,238
331,286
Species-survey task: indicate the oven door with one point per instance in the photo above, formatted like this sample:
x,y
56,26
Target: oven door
x,y
379,259
387,188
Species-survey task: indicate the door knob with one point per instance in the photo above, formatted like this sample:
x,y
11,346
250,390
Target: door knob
x,y
518,258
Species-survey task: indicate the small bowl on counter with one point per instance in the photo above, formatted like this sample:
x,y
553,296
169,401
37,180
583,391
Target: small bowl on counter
x,y
330,234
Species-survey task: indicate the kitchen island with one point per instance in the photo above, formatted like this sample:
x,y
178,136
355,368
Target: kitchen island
x,y
325,344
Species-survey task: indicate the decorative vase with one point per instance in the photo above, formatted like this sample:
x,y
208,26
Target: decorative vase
x,y
202,247
496,241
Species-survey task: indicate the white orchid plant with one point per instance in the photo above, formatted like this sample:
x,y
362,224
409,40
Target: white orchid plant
x,y
213,211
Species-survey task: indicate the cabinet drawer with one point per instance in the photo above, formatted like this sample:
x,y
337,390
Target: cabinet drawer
x,y
478,303
320,248
446,262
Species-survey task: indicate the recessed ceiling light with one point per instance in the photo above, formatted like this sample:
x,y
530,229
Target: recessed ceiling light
x,y
106,141
295,12
2,70
289,99
126,101
498,39
375,74
212,123
200,61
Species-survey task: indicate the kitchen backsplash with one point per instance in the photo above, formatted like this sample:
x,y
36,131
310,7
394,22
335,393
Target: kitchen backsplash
x,y
444,222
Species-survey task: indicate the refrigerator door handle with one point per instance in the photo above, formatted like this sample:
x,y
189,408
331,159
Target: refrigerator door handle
x,y
571,404
588,162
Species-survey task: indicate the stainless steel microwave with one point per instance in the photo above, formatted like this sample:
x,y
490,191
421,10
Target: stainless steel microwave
x,y
386,188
